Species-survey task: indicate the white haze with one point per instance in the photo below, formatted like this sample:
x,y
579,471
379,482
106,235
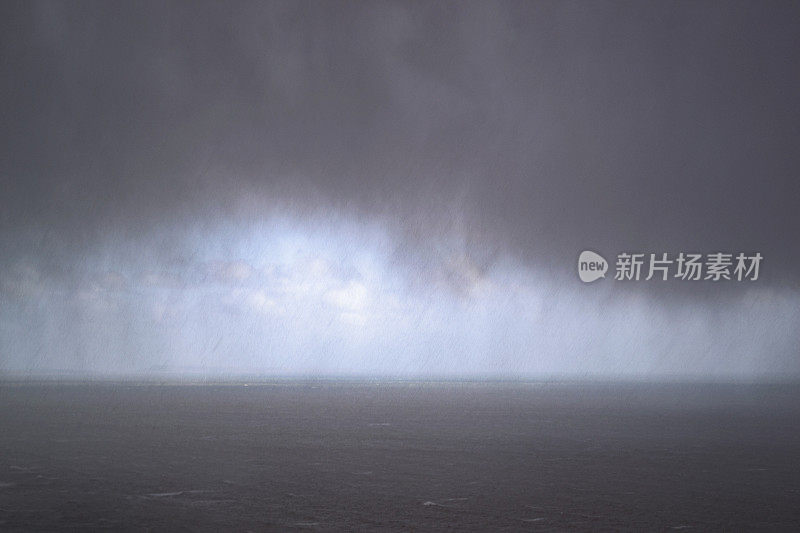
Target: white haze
x,y
333,295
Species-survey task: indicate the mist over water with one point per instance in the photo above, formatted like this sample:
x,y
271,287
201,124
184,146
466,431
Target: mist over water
x,y
331,295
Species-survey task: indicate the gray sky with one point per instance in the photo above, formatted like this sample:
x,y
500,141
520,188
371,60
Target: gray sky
x,y
395,188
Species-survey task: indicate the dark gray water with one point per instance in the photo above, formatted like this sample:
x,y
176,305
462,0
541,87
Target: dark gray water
x,y
399,456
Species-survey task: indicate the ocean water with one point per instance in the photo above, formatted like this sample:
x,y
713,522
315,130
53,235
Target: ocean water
x,y
399,456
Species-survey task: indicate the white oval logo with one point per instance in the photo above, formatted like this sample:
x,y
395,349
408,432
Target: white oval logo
x,y
591,266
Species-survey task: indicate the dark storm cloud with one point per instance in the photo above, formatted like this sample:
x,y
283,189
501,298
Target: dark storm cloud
x,y
558,126
143,142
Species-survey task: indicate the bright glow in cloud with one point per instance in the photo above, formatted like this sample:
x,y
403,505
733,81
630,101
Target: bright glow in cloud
x,y
328,297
